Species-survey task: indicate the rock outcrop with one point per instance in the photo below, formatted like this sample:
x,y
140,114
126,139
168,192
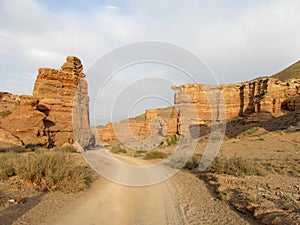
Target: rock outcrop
x,y
257,100
8,138
197,105
154,122
22,119
46,118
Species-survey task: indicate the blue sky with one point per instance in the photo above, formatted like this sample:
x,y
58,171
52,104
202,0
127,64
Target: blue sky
x,y
238,40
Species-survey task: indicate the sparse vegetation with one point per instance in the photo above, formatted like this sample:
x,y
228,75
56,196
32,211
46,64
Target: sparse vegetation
x,y
47,170
288,202
174,140
193,163
7,165
139,153
33,147
234,166
66,149
288,73
118,149
5,113
250,131
155,155
289,167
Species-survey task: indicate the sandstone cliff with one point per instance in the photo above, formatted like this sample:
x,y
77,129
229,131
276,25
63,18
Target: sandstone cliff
x,y
257,100
161,121
46,118
197,105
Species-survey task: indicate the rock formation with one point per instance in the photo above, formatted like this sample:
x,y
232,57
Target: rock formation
x,y
46,118
162,122
196,105
259,99
22,119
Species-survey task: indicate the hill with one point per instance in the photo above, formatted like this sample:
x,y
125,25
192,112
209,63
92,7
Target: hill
x,y
292,71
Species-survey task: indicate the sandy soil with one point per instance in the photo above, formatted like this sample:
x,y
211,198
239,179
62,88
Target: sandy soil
x,y
183,199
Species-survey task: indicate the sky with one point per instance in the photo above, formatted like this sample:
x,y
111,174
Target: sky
x,y
236,40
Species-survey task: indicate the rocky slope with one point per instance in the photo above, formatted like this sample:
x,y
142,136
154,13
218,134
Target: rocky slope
x,y
292,71
46,118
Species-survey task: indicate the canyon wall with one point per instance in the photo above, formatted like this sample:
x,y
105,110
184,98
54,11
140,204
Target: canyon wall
x,y
154,122
46,118
257,100
197,105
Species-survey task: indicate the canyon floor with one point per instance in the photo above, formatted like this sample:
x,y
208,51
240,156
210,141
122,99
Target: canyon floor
x,y
186,198
183,199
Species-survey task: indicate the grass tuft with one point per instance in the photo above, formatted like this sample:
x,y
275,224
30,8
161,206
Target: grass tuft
x,y
66,149
117,149
5,113
155,155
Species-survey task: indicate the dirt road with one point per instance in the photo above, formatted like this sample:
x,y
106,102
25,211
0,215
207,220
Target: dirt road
x,y
183,199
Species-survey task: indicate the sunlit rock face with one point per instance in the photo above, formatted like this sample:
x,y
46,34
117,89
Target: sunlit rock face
x,y
198,105
259,99
46,118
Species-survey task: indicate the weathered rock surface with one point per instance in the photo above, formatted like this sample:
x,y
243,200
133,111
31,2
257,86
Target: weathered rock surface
x,y
154,122
46,118
261,99
24,120
197,105
9,138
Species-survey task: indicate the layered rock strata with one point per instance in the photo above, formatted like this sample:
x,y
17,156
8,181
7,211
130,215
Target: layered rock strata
x,y
154,122
198,105
257,100
46,118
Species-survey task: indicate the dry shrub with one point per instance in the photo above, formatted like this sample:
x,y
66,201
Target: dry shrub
x,y
118,149
48,170
155,155
234,166
66,149
192,163
7,161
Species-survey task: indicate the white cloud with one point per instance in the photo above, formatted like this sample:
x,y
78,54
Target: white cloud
x,y
238,40
113,7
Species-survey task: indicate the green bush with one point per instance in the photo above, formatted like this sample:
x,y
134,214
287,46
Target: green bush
x,y
47,170
168,141
234,166
155,155
5,113
174,140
